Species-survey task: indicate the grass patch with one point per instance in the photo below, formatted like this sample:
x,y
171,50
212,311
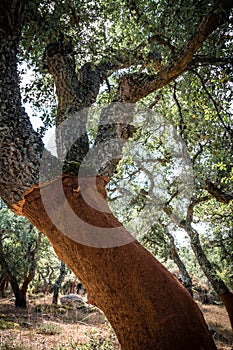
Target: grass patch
x,y
96,342
6,324
49,329
9,345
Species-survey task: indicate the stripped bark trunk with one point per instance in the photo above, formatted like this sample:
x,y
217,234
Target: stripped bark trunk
x,y
147,307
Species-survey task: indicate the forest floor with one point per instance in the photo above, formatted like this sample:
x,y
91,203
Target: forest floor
x,y
43,326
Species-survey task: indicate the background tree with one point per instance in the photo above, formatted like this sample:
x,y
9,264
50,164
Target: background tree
x,y
58,283
19,247
28,259
160,183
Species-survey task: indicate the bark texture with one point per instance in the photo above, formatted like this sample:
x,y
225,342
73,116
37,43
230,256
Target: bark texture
x,y
147,307
186,279
19,156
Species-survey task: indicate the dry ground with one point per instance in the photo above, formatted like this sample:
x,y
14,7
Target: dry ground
x,y
44,327
217,319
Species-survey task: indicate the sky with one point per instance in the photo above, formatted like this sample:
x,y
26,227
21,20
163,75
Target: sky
x,y
26,77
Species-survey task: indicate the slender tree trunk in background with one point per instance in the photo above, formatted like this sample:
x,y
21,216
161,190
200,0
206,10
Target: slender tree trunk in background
x,y
20,301
186,279
20,298
217,283
57,284
32,265
3,285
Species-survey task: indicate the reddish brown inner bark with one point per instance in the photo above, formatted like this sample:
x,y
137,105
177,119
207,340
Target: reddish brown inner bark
x,y
144,303
227,299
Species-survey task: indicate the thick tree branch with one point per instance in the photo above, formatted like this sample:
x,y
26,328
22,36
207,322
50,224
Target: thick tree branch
x,y
194,202
77,90
11,16
133,87
201,60
217,193
20,145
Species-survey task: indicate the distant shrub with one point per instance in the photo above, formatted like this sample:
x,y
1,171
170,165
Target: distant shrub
x,y
7,324
95,343
9,345
49,329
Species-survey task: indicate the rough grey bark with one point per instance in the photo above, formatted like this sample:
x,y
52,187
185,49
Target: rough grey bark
x,y
20,145
186,279
218,285
76,92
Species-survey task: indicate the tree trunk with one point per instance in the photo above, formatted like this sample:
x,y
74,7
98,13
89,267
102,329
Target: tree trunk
x,y
227,299
20,298
24,287
20,301
57,284
3,285
147,307
32,262
218,285
186,279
